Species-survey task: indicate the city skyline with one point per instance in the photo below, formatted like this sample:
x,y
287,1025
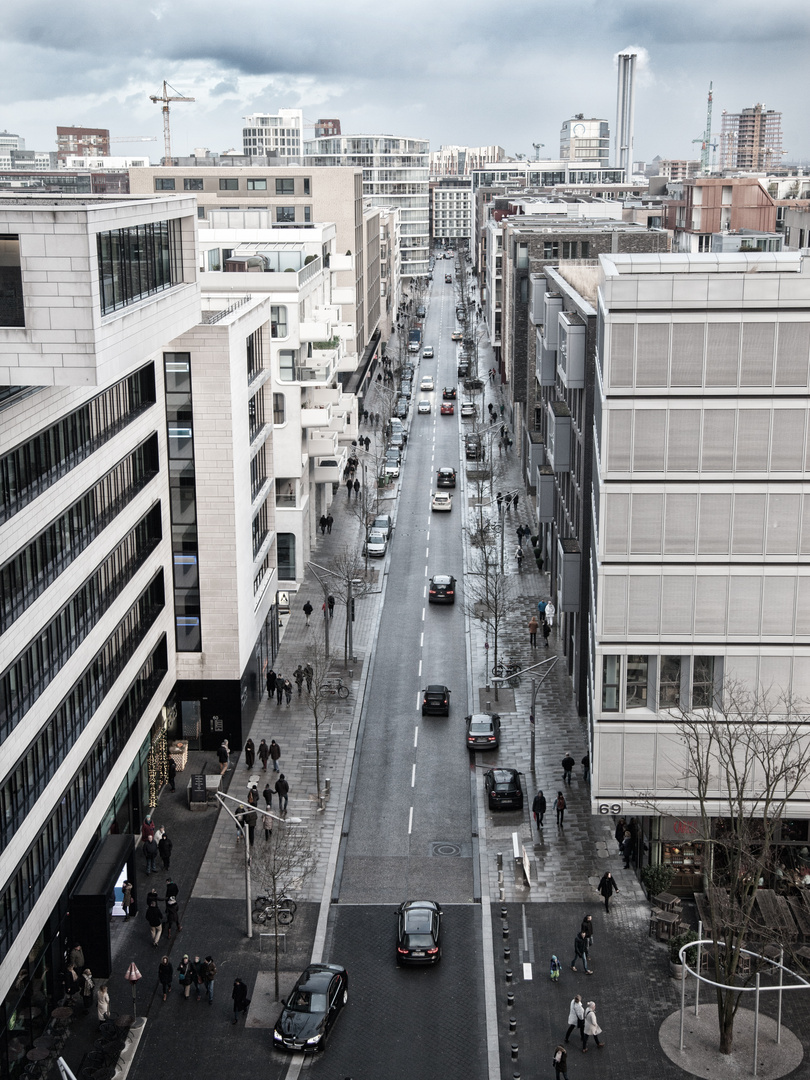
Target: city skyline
x,y
462,74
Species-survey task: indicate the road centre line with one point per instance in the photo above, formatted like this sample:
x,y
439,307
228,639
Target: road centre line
x,y
416,736
413,775
410,821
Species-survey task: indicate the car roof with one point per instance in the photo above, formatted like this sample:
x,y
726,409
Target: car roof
x,y
447,469
383,517
484,718
503,776
436,688
442,579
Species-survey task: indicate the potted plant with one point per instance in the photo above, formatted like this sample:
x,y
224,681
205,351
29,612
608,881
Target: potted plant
x,y
676,968
656,879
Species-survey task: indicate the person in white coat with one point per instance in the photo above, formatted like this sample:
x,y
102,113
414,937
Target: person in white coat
x,y
550,611
591,1027
576,1016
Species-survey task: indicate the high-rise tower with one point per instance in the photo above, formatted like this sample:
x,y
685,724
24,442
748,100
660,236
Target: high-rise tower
x,y
625,104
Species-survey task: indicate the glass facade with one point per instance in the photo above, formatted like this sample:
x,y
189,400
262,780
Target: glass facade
x,y
183,501
12,312
137,262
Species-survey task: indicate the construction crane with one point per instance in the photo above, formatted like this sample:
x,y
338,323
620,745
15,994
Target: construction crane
x,y
706,143
165,98
538,146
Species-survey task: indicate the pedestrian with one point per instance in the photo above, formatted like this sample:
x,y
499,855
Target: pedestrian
x,y
159,831
209,973
283,791
147,829
155,920
253,795
172,889
329,523
560,1062
627,848
172,916
298,675
184,975
568,764
560,807
165,848
71,981
503,431
586,767
365,416
250,819
546,632
539,809
587,929
555,967
376,420
280,680
576,1016
271,683
77,958
507,501
541,609
501,408
150,851
607,887
349,486
330,600
581,953
250,754
165,976
549,613
499,500
128,899
87,989
287,692
322,524
368,443
533,626
307,610
103,1002
356,489
591,1027
515,495
519,532
275,754
309,675
621,828
519,558
240,999
264,754
198,975
172,768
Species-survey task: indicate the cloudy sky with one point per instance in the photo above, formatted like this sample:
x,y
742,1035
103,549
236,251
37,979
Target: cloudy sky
x,y
473,72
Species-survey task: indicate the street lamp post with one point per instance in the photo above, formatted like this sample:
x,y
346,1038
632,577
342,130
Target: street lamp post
x,y
325,611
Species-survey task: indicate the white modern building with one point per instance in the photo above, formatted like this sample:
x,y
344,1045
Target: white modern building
x,y
278,134
585,139
395,174
450,210
461,160
701,502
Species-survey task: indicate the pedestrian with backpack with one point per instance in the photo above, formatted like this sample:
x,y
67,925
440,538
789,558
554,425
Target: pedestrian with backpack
x,y
560,805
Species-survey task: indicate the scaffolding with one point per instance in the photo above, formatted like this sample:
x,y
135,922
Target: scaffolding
x,y
751,139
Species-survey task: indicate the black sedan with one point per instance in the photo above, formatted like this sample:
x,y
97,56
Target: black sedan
x,y
312,1008
503,789
449,393
436,701
442,589
446,477
419,932
483,731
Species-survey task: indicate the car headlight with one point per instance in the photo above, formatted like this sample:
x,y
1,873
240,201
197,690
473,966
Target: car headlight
x,y
277,1036
313,1040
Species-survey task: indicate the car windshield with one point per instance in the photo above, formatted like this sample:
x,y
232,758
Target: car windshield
x,y
502,777
375,537
307,1002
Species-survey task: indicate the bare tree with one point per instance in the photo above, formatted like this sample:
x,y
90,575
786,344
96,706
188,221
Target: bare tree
x,y
283,864
320,701
488,596
351,582
743,762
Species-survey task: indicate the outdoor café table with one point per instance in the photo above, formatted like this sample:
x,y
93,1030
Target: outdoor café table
x,y
667,921
776,919
703,911
666,901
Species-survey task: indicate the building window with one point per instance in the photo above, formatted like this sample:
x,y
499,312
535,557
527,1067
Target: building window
x,y
278,321
138,261
584,249
256,185
569,249
213,259
524,290
193,183
551,249
285,186
259,528
265,568
229,184
307,186
258,472
201,213
611,670
256,414
636,682
164,183
286,556
286,365
669,692
522,261
285,213
254,348
12,312
307,213
703,682
279,409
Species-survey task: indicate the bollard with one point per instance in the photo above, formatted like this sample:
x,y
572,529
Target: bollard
x,y
327,786
499,857
508,975
504,913
506,955
510,1000
512,1025
487,706
500,893
514,1051
505,932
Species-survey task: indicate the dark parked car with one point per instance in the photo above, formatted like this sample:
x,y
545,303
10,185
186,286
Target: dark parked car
x,y
419,932
449,393
402,408
503,789
436,701
384,523
312,1008
420,311
463,368
483,731
446,477
473,449
442,589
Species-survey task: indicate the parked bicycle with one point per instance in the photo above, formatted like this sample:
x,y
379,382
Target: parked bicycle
x,y
282,912
508,670
335,686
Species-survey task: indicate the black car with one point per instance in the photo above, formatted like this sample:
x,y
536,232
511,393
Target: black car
x,y
446,477
449,393
473,449
419,932
312,1008
436,701
483,731
442,589
503,789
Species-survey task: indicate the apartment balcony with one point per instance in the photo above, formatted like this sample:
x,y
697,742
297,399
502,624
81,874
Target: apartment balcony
x,y
571,351
315,416
537,291
322,444
546,487
545,362
569,574
344,294
560,436
341,262
313,330
552,305
347,362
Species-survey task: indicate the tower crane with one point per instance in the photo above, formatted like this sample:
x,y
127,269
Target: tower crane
x,y
165,98
706,143
538,146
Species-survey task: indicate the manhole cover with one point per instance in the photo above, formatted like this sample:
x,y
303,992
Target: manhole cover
x,y
444,847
